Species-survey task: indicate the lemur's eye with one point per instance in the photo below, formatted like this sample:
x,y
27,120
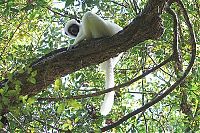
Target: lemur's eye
x,y
78,20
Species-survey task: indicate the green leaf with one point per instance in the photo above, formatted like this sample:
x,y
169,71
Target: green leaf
x,y
15,110
1,91
21,71
74,104
5,88
57,84
67,124
23,98
31,100
18,85
61,108
29,70
1,125
32,80
34,73
10,76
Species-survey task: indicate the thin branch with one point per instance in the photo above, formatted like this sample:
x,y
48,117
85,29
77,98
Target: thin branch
x,y
55,12
144,58
145,122
63,15
120,4
136,92
160,67
20,124
89,90
176,50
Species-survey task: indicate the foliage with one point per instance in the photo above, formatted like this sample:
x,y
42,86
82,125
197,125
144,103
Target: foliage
x,y
32,28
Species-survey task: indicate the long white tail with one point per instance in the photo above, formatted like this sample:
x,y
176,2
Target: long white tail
x,y
109,83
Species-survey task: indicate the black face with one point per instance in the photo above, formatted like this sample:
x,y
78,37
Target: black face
x,y
73,29
78,21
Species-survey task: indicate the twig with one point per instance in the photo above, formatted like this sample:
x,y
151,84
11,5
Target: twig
x,y
55,12
140,92
62,15
17,121
120,4
160,67
145,122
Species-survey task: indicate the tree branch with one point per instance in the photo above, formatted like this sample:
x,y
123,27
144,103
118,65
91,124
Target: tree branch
x,y
147,25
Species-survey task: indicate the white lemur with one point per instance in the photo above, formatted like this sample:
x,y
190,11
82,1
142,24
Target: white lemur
x,y
93,26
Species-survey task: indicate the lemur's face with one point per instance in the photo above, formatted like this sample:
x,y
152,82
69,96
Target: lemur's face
x,y
73,30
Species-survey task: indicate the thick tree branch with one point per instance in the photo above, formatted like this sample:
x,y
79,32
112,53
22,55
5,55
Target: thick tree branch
x,y
64,61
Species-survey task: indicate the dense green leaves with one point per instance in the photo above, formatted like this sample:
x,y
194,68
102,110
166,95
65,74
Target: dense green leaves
x,y
32,28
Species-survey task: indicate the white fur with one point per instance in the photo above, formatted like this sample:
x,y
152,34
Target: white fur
x,y
95,27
